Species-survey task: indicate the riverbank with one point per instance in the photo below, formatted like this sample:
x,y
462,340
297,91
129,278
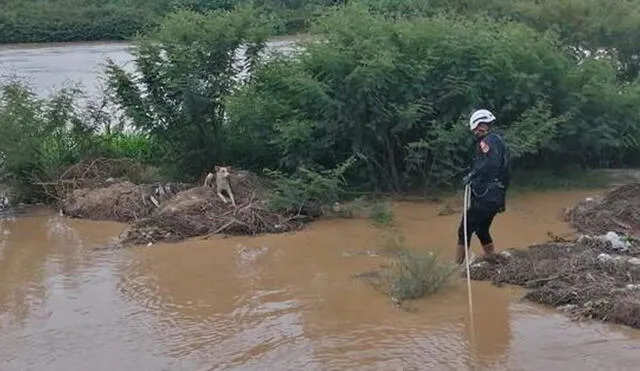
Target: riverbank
x,y
275,39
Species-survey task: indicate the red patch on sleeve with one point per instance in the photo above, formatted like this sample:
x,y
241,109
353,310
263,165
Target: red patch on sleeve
x,y
484,147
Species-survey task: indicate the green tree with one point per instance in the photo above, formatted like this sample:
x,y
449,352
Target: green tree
x,y
185,69
398,94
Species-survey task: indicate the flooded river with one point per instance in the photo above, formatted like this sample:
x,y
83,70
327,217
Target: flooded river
x,y
49,67
274,302
277,302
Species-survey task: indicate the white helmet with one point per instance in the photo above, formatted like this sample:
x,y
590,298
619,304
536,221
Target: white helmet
x,y
481,116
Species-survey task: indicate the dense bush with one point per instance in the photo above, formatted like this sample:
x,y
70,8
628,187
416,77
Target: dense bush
x,y
398,95
89,20
40,138
608,28
185,70
70,20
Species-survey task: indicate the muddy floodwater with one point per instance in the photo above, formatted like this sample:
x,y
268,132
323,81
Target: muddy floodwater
x,y
278,302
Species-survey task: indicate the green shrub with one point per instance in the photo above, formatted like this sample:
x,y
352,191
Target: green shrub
x,y
398,94
307,189
70,20
184,71
381,214
412,274
41,137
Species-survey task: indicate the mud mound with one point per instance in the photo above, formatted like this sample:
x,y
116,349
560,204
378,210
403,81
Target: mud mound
x,y
120,201
200,212
618,210
588,279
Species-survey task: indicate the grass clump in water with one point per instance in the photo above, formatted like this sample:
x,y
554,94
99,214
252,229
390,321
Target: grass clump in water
x,y
378,211
381,214
412,274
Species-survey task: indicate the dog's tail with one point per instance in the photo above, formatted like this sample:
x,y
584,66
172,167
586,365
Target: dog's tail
x,y
208,180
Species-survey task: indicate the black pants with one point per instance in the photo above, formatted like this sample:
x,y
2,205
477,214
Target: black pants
x,y
479,218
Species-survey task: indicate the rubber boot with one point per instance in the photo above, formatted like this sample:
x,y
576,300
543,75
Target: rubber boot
x,y
460,255
488,249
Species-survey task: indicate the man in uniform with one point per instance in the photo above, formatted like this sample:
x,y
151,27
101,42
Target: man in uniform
x,y
489,179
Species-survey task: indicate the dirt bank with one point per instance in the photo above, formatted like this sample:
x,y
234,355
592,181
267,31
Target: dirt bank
x,y
595,276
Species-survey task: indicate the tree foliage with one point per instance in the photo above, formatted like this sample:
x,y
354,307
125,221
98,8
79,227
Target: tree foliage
x,y
395,93
39,138
185,70
398,94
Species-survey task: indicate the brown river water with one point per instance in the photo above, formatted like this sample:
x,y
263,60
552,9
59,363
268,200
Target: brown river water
x,y
273,302
278,302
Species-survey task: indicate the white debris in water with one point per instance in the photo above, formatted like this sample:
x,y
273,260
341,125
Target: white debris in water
x,y
589,199
617,243
633,287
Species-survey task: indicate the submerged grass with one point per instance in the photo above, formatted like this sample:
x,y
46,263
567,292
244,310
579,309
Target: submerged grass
x,y
381,213
377,211
411,274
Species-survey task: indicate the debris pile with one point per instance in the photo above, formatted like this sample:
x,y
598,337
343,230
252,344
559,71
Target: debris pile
x,y
586,279
107,189
96,173
617,211
120,201
200,212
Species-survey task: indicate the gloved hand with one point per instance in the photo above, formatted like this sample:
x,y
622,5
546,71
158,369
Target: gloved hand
x,y
467,179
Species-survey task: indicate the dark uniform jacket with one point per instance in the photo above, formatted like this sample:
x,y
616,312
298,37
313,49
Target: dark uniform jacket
x,y
490,175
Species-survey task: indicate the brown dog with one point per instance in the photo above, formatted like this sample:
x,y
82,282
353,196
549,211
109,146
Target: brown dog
x,y
222,183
